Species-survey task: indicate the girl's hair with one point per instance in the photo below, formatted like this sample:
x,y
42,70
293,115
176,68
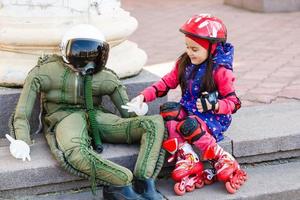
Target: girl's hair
x,y
183,61
208,83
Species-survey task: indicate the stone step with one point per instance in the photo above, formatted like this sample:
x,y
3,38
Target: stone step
x,y
268,182
268,132
257,134
279,181
43,173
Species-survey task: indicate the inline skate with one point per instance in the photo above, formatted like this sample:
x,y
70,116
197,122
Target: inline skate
x,y
227,168
188,168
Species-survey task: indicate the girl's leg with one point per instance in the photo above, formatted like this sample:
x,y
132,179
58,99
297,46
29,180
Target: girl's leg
x,y
173,133
173,113
227,168
195,131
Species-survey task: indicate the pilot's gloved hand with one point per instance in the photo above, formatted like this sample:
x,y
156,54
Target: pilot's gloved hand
x,y
18,148
139,100
137,105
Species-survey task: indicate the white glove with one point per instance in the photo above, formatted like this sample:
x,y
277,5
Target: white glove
x,y
19,148
139,100
137,105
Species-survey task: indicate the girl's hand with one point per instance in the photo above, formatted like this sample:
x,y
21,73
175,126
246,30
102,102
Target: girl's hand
x,y
207,102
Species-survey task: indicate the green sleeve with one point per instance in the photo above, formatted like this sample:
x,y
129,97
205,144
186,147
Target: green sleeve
x,y
25,105
119,97
113,87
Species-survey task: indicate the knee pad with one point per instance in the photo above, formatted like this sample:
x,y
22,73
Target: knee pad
x,y
171,111
190,129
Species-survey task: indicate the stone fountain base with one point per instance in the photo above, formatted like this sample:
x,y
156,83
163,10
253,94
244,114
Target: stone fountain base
x,y
32,28
126,59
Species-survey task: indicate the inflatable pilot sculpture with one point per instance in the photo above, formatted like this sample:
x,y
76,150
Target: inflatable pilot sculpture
x,y
75,123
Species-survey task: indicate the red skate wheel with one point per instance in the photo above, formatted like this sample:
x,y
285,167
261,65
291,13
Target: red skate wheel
x,y
177,189
229,188
190,188
241,180
242,177
245,177
199,184
208,182
237,185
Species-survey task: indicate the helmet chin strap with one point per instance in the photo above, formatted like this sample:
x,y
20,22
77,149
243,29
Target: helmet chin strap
x,y
88,69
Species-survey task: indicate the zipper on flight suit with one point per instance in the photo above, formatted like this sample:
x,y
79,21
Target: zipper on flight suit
x,y
77,88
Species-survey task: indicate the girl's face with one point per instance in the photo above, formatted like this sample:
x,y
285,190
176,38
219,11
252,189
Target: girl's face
x,y
195,51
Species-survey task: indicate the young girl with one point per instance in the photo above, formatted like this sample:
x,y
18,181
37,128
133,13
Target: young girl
x,y
205,75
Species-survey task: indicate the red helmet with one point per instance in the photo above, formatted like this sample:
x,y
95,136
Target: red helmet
x,y
205,26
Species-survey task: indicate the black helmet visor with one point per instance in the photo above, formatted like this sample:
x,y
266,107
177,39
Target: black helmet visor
x,y
79,52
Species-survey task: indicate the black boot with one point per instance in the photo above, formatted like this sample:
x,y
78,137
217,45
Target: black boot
x,y
120,193
147,189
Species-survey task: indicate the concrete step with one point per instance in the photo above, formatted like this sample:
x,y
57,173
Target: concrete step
x,y
268,132
265,182
43,173
268,182
257,134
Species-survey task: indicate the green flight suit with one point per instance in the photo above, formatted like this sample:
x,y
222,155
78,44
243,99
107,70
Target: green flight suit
x,y
66,125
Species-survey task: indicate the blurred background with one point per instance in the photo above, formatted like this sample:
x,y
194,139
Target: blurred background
x,y
264,33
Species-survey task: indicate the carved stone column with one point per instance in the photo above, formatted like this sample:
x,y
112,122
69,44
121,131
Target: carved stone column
x,y
31,28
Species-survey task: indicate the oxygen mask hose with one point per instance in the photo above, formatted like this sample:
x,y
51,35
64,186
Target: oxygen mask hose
x,y
92,113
